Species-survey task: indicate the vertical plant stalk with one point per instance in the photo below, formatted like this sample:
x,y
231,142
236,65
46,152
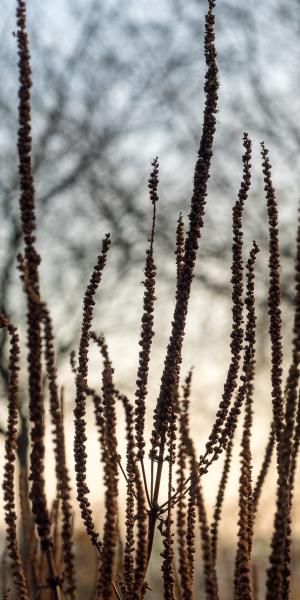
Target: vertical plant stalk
x,y
128,562
106,586
210,575
80,400
169,380
274,296
292,395
242,574
246,382
55,518
184,539
179,245
147,332
292,474
102,436
56,412
134,570
280,557
196,501
167,533
275,571
28,533
221,431
263,470
61,469
28,222
243,571
214,528
10,459
141,555
295,449
190,537
4,589
247,375
237,299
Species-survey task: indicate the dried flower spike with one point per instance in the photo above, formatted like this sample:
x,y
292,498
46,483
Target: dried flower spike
x,y
147,325
274,295
9,461
81,386
171,371
32,259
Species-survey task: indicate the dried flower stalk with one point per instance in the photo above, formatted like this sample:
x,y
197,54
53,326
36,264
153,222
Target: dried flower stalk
x,y
169,381
110,460
185,520
9,461
274,296
279,570
81,385
147,332
28,222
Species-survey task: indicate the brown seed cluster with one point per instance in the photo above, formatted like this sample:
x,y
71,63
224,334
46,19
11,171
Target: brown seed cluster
x,y
28,222
9,461
209,570
274,295
279,570
247,374
237,299
179,245
220,500
264,469
110,462
62,475
128,561
147,323
185,517
164,412
134,568
81,385
243,574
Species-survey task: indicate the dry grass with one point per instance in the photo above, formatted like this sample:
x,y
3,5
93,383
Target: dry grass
x,y
53,559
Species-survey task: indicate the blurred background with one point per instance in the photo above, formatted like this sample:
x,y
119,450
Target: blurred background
x,y
115,84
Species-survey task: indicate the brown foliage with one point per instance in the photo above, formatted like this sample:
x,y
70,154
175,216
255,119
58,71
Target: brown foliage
x,y
46,566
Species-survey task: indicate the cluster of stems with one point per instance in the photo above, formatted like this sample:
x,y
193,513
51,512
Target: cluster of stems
x,y
47,567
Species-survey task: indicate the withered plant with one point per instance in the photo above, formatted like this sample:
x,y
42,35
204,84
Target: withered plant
x,y
41,560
